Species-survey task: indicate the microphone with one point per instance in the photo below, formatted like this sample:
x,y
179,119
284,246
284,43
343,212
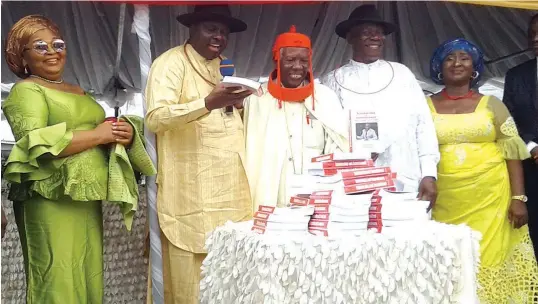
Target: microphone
x,y
227,68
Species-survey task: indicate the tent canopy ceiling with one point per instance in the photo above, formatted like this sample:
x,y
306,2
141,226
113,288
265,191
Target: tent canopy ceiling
x,y
91,28
529,5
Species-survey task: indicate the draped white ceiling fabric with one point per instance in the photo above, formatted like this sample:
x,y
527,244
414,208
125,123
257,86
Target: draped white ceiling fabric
x,y
90,29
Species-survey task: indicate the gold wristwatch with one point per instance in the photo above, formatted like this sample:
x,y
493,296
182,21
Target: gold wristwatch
x,y
522,198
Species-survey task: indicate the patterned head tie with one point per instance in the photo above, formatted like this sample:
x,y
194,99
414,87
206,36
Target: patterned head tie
x,y
18,37
460,44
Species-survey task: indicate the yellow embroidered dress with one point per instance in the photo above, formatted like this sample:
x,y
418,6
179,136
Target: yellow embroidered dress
x,y
474,188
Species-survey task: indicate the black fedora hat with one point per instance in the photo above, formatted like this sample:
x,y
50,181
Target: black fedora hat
x,y
218,13
364,14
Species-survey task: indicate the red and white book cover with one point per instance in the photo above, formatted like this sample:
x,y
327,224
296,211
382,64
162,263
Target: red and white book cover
x,y
320,197
375,216
291,211
322,158
266,209
261,215
376,223
376,199
368,187
294,219
332,171
299,201
366,172
321,216
257,229
376,226
323,172
369,179
321,208
375,208
320,201
338,156
336,164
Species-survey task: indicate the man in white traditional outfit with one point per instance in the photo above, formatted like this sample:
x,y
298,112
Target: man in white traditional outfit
x,y
293,121
407,141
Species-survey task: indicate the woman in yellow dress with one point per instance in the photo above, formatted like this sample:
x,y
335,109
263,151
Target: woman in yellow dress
x,y
480,178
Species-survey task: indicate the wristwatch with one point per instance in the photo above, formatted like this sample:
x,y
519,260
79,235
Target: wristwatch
x,y
522,198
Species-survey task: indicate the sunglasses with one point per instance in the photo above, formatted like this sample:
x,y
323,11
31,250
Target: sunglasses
x,y
41,47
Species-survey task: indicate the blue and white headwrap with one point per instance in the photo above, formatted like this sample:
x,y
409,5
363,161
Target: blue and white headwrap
x,y
460,44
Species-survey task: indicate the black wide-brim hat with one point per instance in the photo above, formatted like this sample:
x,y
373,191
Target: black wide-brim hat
x,y
217,13
364,14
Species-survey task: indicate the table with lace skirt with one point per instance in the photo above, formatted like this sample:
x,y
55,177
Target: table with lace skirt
x,y
429,262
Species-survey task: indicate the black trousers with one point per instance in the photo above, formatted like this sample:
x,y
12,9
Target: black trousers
x,y
531,189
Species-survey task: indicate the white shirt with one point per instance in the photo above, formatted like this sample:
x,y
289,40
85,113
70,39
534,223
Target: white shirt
x,y
408,141
280,142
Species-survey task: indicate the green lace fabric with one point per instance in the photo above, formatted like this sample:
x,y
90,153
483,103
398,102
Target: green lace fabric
x,y
43,121
123,163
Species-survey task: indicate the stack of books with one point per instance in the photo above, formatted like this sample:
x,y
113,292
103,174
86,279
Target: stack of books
x,y
388,209
358,196
336,214
293,219
351,174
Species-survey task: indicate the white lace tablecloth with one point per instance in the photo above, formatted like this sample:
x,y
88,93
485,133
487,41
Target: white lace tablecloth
x,y
427,263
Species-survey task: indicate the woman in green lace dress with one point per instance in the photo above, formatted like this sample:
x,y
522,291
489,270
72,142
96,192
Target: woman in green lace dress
x,y
58,168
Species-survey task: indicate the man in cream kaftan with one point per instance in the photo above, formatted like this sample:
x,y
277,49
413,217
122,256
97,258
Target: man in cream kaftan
x,y
280,142
201,179
292,122
407,141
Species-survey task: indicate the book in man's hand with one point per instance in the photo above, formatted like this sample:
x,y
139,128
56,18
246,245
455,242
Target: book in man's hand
x,y
246,84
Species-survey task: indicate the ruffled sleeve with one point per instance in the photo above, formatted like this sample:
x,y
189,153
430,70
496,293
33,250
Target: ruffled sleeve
x,y
508,140
32,156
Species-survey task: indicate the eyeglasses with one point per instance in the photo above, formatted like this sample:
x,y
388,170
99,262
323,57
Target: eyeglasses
x,y
41,47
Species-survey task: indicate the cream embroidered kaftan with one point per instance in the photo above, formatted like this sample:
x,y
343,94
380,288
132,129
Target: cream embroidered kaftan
x,y
201,179
281,142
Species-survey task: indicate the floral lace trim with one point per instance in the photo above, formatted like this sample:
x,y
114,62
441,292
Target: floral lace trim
x,y
515,281
509,127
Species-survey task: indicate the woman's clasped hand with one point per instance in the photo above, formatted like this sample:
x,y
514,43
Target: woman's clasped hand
x,y
120,132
